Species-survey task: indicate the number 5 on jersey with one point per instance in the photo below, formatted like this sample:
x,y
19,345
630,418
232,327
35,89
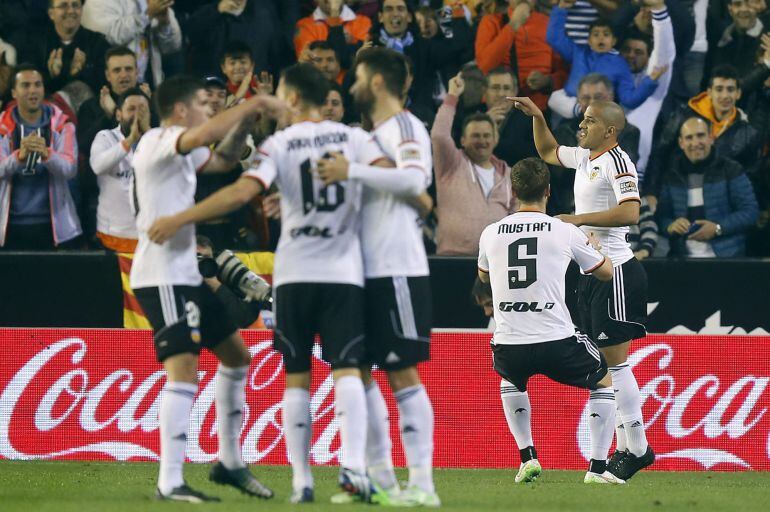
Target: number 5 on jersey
x,y
518,266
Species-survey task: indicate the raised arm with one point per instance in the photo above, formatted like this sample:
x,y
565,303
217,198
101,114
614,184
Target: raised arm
x,y
545,142
556,35
446,156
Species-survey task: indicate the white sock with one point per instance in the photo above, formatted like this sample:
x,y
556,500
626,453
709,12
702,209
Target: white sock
x,y
629,402
297,431
517,411
230,396
620,433
416,425
350,407
601,422
175,407
379,447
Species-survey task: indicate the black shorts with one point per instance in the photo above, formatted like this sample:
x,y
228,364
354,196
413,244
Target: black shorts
x,y
184,318
613,312
575,361
335,311
399,314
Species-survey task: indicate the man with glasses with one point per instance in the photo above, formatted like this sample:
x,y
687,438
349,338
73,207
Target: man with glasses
x,y
515,128
67,51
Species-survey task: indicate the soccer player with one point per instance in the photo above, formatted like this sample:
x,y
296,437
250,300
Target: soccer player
x,y
184,313
613,313
318,274
525,257
398,298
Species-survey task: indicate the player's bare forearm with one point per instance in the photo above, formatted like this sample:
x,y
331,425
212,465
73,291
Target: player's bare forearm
x,y
422,203
217,127
228,152
624,214
545,142
483,276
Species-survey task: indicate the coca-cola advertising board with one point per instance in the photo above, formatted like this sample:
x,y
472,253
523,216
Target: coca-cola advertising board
x,y
94,395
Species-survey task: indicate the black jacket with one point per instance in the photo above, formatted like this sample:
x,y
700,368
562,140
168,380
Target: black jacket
x,y
739,142
37,49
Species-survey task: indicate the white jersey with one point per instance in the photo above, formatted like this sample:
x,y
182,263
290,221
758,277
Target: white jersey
x,y
164,184
526,255
391,229
112,165
319,224
602,183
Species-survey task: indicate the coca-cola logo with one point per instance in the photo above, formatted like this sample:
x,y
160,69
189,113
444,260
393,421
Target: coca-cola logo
x,y
120,402
714,408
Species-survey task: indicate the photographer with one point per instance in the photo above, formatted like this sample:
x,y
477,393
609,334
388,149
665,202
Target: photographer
x,y
243,293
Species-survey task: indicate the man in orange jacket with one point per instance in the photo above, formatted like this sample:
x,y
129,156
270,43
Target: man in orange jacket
x,y
514,36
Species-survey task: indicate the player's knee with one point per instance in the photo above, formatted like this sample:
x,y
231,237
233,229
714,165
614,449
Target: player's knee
x,y
338,373
404,378
182,368
366,375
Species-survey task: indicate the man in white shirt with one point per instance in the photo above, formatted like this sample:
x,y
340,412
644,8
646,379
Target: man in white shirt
x,y
525,256
111,154
319,271
184,313
398,295
612,313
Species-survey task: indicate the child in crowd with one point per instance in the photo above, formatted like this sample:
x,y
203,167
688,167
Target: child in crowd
x,y
237,65
599,56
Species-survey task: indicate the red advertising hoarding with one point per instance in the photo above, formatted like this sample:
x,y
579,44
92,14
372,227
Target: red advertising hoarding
x,y
94,395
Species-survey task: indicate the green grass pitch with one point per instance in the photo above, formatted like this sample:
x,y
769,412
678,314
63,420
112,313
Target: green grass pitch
x,y
82,487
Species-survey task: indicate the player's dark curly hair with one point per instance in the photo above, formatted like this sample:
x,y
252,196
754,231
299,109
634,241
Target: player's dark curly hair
x,y
309,82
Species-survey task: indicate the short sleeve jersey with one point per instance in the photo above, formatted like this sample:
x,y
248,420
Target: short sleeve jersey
x,y
526,255
392,230
602,183
163,184
319,224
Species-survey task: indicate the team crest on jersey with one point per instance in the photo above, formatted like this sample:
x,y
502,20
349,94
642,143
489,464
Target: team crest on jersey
x,y
628,187
410,154
594,173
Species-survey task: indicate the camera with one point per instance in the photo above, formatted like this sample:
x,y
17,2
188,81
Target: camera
x,y
235,275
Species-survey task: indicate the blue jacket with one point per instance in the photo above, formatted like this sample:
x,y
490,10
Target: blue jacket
x,y
728,200
584,60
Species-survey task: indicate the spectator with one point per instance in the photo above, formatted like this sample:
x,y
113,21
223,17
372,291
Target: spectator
x,y
334,108
216,93
451,43
111,155
636,16
321,55
237,65
472,99
579,18
515,36
740,41
707,204
473,185
514,128
98,113
148,28
643,236
598,57
38,157
337,24
66,50
734,137
7,61
660,54
593,87
18,17
395,30
211,27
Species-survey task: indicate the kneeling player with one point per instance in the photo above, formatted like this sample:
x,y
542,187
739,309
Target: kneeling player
x,y
525,257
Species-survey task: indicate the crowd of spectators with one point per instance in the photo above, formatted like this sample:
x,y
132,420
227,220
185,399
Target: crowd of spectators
x,y
77,78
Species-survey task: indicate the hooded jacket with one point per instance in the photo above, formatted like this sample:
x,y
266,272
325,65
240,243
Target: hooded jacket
x,y
61,166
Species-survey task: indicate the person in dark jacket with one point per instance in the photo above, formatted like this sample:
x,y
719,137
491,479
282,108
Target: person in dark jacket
x,y
213,26
734,137
739,42
66,51
707,204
